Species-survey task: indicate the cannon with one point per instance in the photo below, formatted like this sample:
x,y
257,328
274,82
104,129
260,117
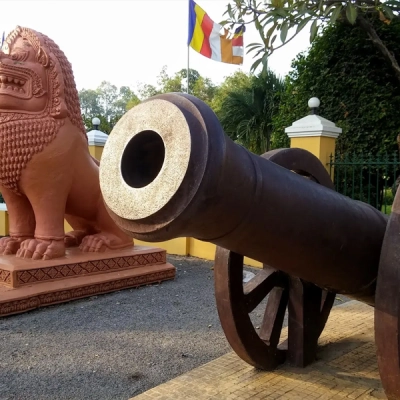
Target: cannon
x,y
168,170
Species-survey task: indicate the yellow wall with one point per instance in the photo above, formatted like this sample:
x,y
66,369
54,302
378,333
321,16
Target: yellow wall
x,y
96,151
206,250
198,248
67,226
321,146
192,247
177,246
4,229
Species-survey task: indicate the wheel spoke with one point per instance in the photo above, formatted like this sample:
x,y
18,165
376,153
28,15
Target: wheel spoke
x,y
328,299
274,315
258,288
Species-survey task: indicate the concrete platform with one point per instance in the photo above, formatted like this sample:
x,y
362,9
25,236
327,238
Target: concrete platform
x,y
26,284
346,369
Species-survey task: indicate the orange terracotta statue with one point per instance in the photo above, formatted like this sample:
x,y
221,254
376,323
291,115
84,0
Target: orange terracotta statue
x,y
46,171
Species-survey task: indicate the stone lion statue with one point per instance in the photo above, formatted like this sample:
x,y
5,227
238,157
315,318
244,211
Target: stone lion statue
x,y
46,171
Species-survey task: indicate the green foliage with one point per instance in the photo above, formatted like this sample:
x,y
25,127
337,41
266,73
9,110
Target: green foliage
x,y
388,196
286,18
236,82
107,102
246,110
127,98
146,90
170,84
357,89
132,103
199,86
204,89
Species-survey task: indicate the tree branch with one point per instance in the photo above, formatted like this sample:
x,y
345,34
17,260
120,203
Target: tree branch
x,y
378,43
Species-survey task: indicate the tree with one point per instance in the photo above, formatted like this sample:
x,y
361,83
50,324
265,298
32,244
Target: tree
x,y
89,101
246,113
287,18
126,100
235,82
108,95
146,90
193,77
107,102
204,89
169,84
356,86
132,103
201,87
90,106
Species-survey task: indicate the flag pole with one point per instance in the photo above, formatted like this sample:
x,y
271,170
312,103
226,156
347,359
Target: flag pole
x,y
188,45
187,74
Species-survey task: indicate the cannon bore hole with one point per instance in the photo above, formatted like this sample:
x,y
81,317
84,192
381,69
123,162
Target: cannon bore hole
x,y
142,159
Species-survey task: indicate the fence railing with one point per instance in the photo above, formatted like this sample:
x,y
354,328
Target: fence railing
x,y
372,179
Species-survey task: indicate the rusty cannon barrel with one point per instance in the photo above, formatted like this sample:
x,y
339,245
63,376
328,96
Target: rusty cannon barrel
x,y
168,170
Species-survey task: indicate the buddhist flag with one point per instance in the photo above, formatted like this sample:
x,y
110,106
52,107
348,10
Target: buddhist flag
x,y
211,40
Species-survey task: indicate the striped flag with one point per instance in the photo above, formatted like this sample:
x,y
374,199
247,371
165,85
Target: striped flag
x,y
211,40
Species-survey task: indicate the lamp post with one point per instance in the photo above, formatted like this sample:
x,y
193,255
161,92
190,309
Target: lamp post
x,y
96,123
314,103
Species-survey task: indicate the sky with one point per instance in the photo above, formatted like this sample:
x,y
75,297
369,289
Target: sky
x,y
127,42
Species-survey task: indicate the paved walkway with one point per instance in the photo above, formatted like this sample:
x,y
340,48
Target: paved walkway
x,y
346,369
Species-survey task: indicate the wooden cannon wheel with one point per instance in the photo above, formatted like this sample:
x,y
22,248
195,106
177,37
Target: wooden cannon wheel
x,y
387,306
308,306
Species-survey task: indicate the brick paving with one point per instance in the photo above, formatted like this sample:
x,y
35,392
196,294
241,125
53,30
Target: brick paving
x,y
346,369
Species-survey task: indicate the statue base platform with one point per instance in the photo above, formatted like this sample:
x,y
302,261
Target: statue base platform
x,y
26,284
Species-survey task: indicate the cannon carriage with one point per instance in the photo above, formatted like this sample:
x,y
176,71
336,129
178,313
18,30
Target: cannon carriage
x,y
168,170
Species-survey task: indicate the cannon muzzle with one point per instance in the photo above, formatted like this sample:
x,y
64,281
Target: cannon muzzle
x,y
168,170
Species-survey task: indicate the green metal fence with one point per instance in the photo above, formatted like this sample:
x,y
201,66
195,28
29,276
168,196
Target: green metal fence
x,y
371,179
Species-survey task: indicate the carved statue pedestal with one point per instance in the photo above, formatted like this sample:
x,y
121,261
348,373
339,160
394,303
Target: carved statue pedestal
x,y
26,284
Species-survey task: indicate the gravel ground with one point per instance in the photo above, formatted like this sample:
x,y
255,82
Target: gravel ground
x,y
117,345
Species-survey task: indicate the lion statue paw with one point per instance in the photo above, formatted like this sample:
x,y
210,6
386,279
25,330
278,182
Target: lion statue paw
x,y
100,242
39,249
10,245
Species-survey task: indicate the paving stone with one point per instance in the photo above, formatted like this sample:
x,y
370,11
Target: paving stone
x,y
346,369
